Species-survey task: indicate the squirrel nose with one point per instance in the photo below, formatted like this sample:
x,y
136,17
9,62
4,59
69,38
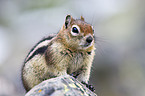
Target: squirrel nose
x,y
89,39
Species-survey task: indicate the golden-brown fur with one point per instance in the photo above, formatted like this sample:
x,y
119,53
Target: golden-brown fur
x,y
65,54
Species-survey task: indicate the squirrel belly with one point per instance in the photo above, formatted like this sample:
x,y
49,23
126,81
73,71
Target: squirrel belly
x,y
70,51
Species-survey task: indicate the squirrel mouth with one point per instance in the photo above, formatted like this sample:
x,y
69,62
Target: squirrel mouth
x,y
86,44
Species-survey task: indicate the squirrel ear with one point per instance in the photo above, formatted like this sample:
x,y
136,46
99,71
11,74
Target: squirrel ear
x,y
68,20
82,18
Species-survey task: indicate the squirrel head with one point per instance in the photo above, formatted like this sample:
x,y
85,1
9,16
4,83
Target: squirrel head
x,y
77,34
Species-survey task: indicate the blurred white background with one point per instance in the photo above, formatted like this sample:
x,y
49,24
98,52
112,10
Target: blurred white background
x,y
119,64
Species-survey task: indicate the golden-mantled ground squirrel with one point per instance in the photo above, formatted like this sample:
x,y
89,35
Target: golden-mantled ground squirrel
x,y
69,51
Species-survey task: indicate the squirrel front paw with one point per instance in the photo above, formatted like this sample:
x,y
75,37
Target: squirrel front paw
x,y
74,74
89,86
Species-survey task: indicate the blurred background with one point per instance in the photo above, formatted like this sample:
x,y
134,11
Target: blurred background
x,y
119,65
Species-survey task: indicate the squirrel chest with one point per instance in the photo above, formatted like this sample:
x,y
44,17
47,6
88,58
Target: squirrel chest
x,y
67,59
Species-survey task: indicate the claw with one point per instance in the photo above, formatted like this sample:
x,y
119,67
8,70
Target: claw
x,y
75,76
89,86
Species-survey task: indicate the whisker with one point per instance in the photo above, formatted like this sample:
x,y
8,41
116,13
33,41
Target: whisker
x,y
100,43
99,50
92,19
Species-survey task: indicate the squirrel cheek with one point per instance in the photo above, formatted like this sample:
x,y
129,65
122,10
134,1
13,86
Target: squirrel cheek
x,y
82,42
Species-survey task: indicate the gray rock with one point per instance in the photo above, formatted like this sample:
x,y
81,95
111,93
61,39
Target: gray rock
x,y
63,86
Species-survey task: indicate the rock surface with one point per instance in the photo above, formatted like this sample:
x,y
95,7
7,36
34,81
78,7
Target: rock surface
x,y
63,86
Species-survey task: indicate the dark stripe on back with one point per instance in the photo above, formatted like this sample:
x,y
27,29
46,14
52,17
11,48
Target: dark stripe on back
x,y
38,50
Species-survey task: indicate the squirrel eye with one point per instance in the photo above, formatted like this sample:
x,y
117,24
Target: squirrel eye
x,y
75,30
